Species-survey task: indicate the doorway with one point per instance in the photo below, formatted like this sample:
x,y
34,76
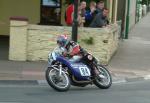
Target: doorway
x,y
50,12
4,47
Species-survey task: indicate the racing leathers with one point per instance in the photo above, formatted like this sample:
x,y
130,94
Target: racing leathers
x,y
72,50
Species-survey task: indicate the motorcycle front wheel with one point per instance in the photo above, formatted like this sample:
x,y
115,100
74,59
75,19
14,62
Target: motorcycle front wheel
x,y
104,79
60,83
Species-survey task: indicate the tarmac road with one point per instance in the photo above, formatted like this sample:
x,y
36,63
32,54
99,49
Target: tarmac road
x,y
131,92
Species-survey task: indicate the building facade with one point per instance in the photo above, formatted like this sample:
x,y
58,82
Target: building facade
x,y
26,8
44,12
52,12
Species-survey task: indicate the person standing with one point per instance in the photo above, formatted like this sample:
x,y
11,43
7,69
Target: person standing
x,y
69,15
100,6
101,19
90,13
81,13
83,8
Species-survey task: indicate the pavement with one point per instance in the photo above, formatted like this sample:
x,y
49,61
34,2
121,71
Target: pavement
x,y
132,60
130,63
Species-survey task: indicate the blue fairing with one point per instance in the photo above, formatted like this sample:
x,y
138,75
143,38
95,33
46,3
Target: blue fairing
x,y
79,70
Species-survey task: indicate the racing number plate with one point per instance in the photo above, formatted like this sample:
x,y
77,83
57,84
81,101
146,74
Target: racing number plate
x,y
84,71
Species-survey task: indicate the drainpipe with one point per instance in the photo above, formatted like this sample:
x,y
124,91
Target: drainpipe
x,y
137,11
127,20
109,5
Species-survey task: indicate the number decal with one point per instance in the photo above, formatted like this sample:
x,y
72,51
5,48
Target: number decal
x,y
84,71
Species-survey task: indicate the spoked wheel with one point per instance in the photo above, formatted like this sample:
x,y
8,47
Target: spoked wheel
x,y
59,83
103,80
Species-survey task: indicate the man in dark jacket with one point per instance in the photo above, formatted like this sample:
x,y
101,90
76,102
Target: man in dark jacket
x,y
100,6
101,19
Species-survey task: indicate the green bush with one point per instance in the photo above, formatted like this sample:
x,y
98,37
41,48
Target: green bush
x,y
88,41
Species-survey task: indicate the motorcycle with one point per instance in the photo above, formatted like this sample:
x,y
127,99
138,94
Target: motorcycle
x,y
62,73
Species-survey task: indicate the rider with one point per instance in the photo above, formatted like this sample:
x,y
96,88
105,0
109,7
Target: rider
x,y
73,50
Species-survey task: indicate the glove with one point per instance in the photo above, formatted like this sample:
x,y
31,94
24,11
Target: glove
x,y
65,54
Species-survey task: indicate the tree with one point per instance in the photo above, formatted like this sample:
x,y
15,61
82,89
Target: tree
x,y
145,2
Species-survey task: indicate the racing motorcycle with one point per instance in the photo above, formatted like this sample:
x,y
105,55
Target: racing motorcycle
x,y
62,73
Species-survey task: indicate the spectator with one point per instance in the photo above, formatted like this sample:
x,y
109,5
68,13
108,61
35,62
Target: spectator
x,y
69,14
90,13
81,13
83,8
100,6
81,18
70,11
101,19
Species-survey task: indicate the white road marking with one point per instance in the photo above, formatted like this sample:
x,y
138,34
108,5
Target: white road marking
x,y
147,77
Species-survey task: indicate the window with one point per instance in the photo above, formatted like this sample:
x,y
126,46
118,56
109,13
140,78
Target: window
x,y
50,12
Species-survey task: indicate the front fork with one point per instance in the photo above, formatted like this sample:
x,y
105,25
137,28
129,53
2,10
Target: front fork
x,y
100,72
60,69
96,70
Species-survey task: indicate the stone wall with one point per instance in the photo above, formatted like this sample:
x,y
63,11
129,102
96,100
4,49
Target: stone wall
x,y
36,41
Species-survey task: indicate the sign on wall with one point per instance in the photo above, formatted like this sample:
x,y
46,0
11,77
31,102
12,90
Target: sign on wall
x,y
50,12
51,3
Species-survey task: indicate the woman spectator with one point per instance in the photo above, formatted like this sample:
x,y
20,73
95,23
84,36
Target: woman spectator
x,y
81,15
82,6
69,15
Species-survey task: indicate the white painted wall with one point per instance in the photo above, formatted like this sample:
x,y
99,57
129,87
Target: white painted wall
x,y
132,14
